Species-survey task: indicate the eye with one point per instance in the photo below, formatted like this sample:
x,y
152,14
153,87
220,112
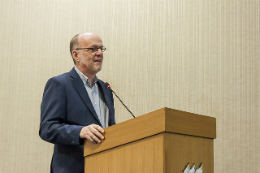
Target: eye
x,y
94,49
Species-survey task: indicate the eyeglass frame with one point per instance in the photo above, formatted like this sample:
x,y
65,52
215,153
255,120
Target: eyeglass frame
x,y
94,49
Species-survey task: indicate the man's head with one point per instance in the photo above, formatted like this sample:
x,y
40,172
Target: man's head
x,y
88,61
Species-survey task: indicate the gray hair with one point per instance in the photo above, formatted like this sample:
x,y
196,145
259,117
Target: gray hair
x,y
73,44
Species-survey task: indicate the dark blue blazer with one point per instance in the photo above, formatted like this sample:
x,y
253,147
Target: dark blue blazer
x,y
65,109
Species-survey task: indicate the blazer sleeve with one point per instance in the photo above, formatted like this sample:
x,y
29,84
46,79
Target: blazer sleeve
x,y
53,126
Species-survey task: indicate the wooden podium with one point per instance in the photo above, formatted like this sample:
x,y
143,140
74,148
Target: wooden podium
x,y
162,141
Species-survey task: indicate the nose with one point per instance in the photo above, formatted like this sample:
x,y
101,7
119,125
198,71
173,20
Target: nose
x,y
99,52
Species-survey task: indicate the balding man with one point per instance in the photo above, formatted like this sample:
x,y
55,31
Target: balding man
x,y
76,106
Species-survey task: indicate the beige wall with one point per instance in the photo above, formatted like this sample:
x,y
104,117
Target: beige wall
x,y
200,56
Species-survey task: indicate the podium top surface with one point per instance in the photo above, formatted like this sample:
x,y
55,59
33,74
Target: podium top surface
x,y
159,121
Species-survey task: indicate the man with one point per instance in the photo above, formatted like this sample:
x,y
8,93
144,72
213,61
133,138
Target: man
x,y
76,106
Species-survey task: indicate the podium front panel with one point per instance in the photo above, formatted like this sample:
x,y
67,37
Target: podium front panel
x,y
142,156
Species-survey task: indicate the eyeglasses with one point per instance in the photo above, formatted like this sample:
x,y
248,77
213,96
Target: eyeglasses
x,y
94,49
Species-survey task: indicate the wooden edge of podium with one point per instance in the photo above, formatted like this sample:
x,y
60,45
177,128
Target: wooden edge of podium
x,y
128,131
158,121
181,122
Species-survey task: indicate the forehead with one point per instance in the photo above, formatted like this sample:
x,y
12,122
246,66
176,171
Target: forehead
x,y
90,40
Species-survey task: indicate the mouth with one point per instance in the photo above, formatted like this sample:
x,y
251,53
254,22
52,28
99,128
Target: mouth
x,y
98,60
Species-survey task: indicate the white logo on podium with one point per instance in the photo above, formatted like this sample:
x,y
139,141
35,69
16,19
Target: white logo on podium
x,y
192,169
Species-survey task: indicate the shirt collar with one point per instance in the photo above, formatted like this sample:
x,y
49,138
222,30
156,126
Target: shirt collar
x,y
84,78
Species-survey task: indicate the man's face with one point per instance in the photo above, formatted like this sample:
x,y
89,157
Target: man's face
x,y
89,63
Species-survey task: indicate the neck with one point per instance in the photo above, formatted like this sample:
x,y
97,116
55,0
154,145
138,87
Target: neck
x,y
89,75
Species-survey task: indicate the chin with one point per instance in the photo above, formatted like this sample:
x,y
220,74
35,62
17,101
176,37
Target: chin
x,y
97,69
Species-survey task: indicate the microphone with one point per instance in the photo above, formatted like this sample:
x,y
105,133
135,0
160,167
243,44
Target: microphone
x,y
108,86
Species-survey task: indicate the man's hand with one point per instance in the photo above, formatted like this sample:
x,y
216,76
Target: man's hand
x,y
94,133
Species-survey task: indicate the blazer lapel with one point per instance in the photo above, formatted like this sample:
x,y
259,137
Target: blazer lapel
x,y
107,99
79,86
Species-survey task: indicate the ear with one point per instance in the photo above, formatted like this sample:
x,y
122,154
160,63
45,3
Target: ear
x,y
75,55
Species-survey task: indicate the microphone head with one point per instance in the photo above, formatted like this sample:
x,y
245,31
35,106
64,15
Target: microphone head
x,y
107,85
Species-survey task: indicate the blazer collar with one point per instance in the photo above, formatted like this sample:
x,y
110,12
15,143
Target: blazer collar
x,y
105,93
